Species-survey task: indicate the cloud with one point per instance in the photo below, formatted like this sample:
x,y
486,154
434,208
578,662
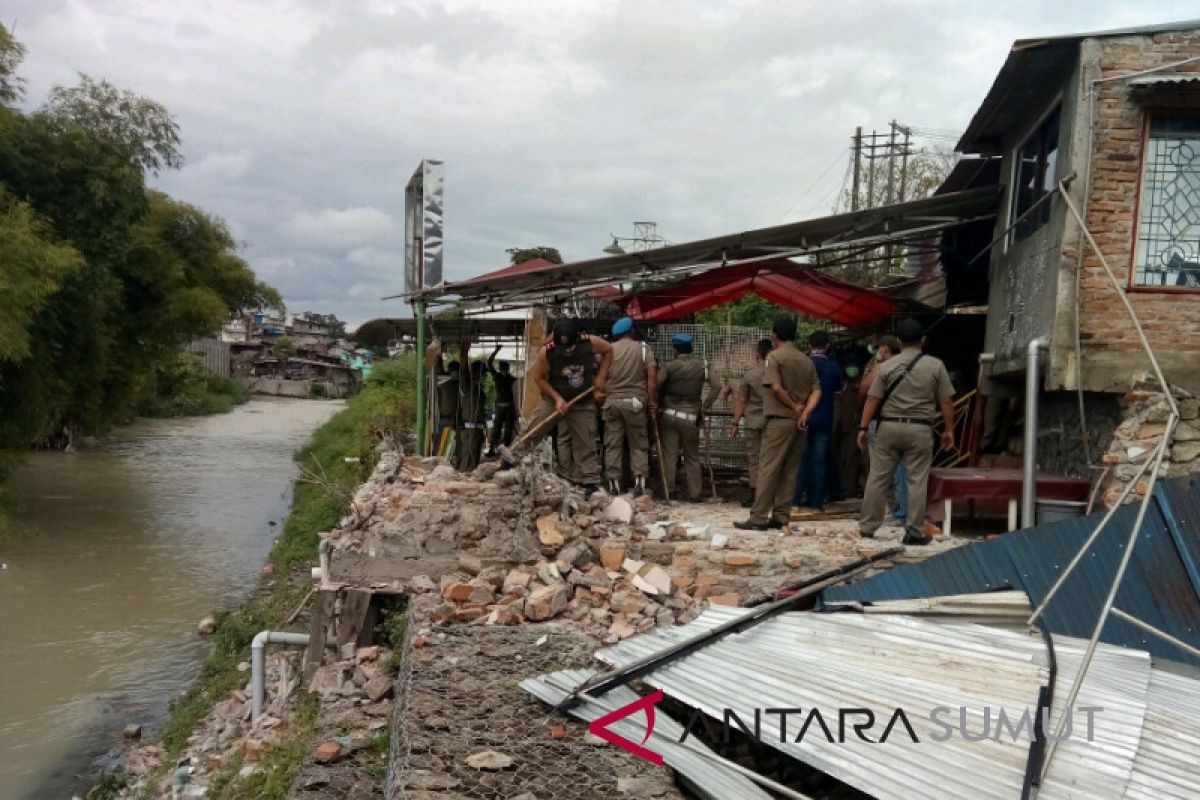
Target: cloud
x,y
220,167
347,227
559,121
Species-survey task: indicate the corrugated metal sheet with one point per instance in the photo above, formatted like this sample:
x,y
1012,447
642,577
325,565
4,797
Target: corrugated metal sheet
x,y
1169,79
692,759
1008,609
1158,588
811,661
833,661
1117,683
1165,768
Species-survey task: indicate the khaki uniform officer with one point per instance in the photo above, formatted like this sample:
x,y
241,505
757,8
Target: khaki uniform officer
x,y
791,392
563,370
749,406
632,385
904,395
680,384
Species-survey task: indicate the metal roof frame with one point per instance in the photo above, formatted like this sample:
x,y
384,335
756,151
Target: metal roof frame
x,y
555,283
1022,79
455,328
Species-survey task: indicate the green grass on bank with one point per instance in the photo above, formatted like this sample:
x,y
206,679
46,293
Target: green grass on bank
x,y
279,765
383,410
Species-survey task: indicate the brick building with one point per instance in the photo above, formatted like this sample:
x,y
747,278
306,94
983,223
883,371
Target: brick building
x,y
1116,115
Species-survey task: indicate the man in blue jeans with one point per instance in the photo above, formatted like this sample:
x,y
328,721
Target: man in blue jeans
x,y
813,478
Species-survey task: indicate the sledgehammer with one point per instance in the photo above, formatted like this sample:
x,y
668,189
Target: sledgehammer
x,y
508,453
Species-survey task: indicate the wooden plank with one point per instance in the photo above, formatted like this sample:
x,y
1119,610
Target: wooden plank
x,y
353,622
322,613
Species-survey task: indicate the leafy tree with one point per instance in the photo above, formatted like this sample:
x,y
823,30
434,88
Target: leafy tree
x,y
35,266
519,255
750,311
182,277
142,128
101,280
283,347
337,328
12,52
93,196
753,311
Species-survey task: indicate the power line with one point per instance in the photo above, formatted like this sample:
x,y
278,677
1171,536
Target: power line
x,y
818,179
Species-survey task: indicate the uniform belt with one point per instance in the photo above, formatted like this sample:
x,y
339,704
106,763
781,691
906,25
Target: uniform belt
x,y
683,415
474,425
908,420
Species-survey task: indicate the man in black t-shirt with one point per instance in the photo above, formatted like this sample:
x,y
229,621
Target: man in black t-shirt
x,y
504,420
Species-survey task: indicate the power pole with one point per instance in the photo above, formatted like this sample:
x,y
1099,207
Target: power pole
x,y
857,168
904,161
891,164
871,173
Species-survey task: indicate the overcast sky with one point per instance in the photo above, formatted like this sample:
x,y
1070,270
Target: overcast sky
x,y
559,120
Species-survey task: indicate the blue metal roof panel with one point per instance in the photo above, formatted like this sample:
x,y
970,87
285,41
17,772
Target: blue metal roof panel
x,y
1180,503
1158,586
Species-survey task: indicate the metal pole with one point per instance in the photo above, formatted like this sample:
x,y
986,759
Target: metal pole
x,y
1137,325
604,682
1066,573
854,186
1029,481
1153,631
420,315
1155,461
703,752
904,164
1077,684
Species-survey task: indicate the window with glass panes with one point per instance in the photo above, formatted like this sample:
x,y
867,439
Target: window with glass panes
x,y
1035,176
1168,232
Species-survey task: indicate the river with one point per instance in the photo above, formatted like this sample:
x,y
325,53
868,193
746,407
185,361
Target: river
x,y
115,553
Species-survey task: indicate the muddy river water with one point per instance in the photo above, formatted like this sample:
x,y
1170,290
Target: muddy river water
x,y
110,557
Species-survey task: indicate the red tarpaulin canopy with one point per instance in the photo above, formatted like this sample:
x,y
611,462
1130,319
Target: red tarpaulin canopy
x,y
782,282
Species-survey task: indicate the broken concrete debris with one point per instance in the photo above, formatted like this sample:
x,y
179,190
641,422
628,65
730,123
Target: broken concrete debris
x,y
496,551
523,546
490,760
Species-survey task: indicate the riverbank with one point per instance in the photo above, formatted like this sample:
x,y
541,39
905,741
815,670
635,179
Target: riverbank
x,y
113,553
339,457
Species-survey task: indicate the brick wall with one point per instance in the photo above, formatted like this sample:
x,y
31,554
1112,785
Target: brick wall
x,y
1171,320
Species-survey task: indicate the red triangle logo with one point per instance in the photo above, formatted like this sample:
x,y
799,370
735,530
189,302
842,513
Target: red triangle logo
x,y
599,727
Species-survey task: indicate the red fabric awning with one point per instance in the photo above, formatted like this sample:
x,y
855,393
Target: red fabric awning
x,y
801,288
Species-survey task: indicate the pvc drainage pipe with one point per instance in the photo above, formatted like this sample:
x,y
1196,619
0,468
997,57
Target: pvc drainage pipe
x,y
258,672
1029,484
321,573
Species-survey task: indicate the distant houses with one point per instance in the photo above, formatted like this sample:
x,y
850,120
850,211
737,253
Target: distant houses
x,y
304,358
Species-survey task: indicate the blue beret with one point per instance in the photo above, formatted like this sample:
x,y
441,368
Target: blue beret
x,y
681,338
622,326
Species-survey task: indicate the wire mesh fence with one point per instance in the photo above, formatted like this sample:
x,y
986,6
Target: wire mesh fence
x,y
458,696
729,352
